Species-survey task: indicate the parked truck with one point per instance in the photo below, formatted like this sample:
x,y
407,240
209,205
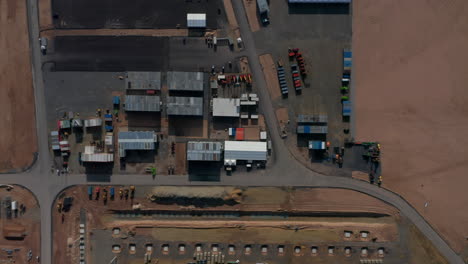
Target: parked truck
x,y
264,11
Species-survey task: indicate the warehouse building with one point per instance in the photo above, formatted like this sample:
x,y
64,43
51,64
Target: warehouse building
x,y
186,81
143,81
226,107
312,119
204,151
235,151
312,129
136,140
185,106
196,20
142,103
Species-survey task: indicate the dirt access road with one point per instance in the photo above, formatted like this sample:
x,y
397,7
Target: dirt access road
x,y
18,134
410,94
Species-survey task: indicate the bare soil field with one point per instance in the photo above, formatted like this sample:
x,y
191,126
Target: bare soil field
x,y
17,136
250,7
269,72
115,32
410,95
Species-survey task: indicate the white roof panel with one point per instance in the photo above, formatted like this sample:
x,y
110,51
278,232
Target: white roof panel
x,y
196,20
226,107
245,150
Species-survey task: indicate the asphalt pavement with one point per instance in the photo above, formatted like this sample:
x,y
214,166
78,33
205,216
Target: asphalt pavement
x,y
286,171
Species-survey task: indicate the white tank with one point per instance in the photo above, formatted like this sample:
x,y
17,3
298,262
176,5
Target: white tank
x,y
14,205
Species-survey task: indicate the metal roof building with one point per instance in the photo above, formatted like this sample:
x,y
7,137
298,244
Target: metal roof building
x,y
228,107
245,150
90,155
142,103
188,106
136,140
312,118
196,20
312,129
185,81
204,151
93,122
143,81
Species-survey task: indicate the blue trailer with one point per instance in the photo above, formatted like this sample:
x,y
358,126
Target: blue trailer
x,y
112,193
90,192
346,108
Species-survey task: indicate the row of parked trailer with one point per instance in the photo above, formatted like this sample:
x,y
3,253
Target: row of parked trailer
x,y
282,79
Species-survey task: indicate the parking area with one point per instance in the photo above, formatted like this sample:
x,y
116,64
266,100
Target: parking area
x,y
141,14
320,33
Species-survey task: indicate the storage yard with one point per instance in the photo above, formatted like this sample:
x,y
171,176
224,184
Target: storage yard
x,y
19,225
189,224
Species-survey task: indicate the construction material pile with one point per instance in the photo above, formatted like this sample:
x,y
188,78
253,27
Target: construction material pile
x,y
196,196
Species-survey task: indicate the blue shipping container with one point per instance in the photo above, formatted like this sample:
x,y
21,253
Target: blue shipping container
x,y
112,191
90,190
347,54
346,108
116,100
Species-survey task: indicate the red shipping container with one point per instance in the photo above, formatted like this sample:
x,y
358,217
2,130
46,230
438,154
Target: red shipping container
x,y
239,134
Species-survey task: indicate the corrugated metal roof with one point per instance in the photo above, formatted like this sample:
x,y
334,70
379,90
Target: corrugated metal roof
x,y
136,140
186,81
204,151
245,150
143,81
196,20
97,157
189,106
312,118
142,103
228,107
93,122
312,129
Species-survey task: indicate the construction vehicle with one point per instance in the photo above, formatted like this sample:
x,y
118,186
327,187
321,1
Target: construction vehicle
x,y
121,193
264,11
296,77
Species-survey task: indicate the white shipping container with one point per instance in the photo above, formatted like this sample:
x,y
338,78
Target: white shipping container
x,y
14,205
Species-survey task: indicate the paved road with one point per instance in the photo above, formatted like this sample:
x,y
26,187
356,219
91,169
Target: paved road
x,y
286,171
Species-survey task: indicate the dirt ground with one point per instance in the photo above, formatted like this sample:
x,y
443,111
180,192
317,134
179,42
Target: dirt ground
x,y
18,136
410,95
271,78
45,15
115,32
29,219
251,10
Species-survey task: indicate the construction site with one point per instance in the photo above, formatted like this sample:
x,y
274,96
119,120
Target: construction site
x,y
177,224
19,225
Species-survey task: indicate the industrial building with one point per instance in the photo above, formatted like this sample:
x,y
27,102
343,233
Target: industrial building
x,y
312,129
143,81
185,106
226,107
244,151
196,20
142,103
136,140
90,155
204,151
312,119
186,81
93,122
